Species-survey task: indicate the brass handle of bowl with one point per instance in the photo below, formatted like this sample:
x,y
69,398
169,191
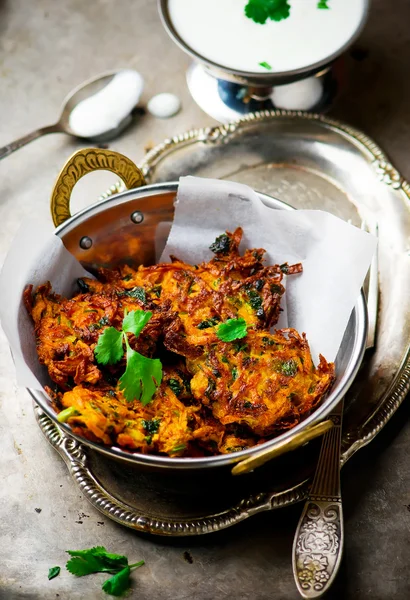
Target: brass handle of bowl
x,y
85,161
260,458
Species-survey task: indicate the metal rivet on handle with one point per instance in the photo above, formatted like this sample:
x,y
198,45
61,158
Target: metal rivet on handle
x,y
137,217
86,242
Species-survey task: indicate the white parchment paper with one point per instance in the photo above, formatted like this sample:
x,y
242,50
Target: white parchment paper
x,y
36,256
335,255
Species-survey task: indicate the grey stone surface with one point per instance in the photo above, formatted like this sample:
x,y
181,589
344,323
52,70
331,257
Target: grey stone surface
x,y
46,48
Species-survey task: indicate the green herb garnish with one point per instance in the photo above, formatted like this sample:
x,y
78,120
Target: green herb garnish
x,y
208,323
98,560
232,329
256,303
262,10
156,290
101,323
142,375
265,65
289,368
175,386
53,572
137,292
179,448
151,426
66,414
276,10
221,245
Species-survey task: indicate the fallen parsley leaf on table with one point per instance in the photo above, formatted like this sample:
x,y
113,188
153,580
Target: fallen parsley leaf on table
x,y
232,329
142,375
98,560
53,572
118,583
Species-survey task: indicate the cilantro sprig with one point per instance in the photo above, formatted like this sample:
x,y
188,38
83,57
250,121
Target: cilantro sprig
x,y
142,375
232,329
276,10
98,560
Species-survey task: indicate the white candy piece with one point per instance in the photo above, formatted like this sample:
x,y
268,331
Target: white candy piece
x,y
164,105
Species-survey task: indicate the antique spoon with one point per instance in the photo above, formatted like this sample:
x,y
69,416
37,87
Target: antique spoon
x,y
98,109
318,542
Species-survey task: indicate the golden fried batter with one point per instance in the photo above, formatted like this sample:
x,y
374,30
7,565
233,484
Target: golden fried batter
x,y
215,397
265,381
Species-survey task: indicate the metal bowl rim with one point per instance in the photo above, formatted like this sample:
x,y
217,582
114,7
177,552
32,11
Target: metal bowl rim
x,y
153,460
263,78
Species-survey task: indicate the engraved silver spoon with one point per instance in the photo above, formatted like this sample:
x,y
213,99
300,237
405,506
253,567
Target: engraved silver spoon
x,y
318,542
83,92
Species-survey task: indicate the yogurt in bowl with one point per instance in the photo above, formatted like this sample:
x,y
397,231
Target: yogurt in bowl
x,y
219,32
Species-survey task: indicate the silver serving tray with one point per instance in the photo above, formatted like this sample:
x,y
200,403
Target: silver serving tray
x,y
308,161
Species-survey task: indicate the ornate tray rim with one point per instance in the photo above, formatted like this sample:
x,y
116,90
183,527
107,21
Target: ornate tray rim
x,y
75,454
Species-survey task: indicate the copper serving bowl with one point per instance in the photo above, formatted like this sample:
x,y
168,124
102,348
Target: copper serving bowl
x,y
132,227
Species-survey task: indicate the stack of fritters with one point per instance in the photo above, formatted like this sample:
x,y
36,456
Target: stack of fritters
x,y
215,396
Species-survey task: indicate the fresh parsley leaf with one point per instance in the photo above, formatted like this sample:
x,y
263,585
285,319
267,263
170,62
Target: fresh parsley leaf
x,y
98,560
141,378
135,321
109,349
257,10
279,9
66,414
323,4
142,375
53,572
232,329
265,65
94,560
118,583
262,10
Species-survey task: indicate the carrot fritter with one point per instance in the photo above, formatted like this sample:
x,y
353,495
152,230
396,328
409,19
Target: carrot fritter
x,y
215,396
265,381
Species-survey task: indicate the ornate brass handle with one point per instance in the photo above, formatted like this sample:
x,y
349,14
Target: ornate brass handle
x,y
259,459
83,162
